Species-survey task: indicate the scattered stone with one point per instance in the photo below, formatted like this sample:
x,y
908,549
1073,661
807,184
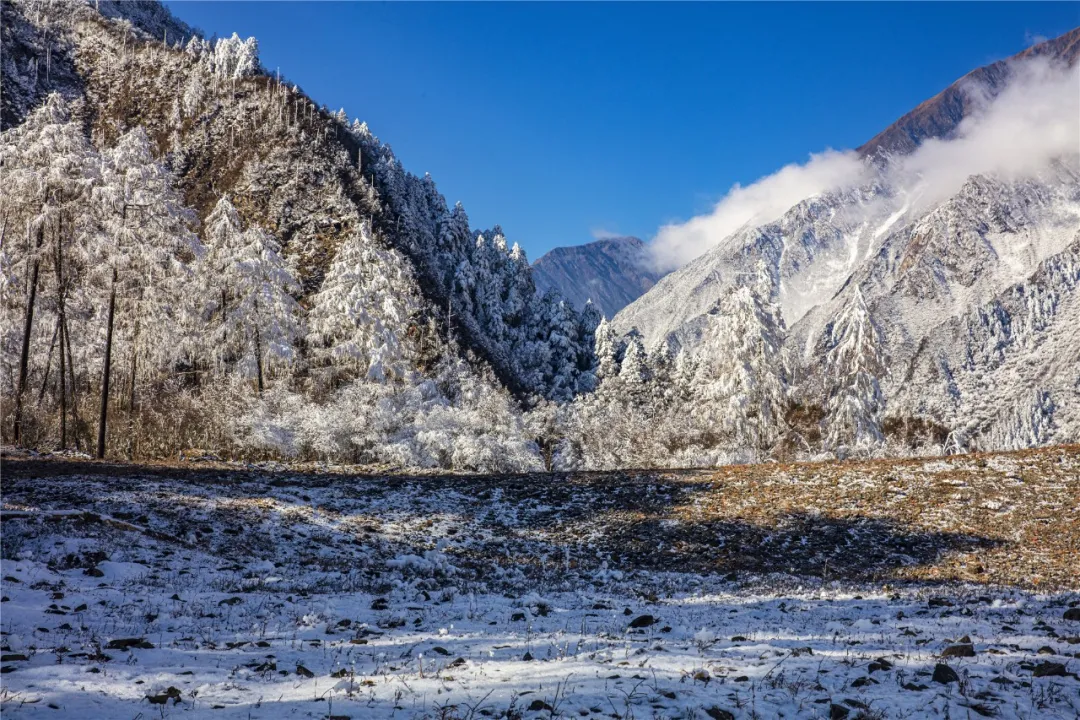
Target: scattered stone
x,y
1046,650
14,657
1049,669
915,687
129,643
162,698
440,650
303,671
231,601
961,651
642,621
719,714
1072,613
517,617
380,604
527,657
944,674
838,712
539,705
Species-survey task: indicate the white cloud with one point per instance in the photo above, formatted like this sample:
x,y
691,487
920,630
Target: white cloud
x,y
755,204
1034,119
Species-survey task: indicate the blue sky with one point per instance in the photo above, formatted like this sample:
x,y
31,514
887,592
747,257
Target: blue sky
x,y
563,120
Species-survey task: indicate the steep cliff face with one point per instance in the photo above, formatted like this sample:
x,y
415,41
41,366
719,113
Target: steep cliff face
x,y
610,273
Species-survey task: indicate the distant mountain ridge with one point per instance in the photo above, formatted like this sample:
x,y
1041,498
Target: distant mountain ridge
x,y
611,273
939,116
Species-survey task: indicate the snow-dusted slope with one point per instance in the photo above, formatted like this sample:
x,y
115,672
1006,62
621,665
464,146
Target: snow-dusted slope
x,y
306,175
976,301
611,273
965,290
810,251
940,115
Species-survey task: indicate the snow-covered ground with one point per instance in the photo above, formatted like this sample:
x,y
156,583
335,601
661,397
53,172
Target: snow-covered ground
x,y
214,593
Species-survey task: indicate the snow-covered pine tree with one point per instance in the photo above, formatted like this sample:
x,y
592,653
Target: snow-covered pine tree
x,y
588,322
356,316
635,373
255,321
562,341
609,351
49,170
740,380
854,363
235,58
144,247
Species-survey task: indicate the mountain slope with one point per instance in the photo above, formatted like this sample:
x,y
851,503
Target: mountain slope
x,y
611,273
816,244
939,116
908,319
327,304
299,171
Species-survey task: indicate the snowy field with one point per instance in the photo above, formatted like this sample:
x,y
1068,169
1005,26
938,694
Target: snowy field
x,y
231,592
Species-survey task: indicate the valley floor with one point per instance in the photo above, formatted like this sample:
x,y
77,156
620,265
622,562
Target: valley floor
x,y
944,587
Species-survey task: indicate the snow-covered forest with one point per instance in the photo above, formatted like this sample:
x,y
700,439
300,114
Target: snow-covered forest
x,y
199,260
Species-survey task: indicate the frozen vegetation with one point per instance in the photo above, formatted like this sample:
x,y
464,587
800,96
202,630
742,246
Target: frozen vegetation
x,y
197,260
858,590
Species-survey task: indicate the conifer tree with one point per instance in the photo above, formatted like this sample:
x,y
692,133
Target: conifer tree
x,y
255,320
854,363
356,316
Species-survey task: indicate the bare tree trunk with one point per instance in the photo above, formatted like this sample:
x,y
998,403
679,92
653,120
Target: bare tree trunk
x,y
48,364
71,384
131,396
105,372
61,297
24,357
258,359
63,389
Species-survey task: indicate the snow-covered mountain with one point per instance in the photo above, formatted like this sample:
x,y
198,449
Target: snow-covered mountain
x,y
906,309
610,273
940,115
313,266
195,252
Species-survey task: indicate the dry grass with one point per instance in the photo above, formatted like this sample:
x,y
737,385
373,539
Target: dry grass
x,y
1007,518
